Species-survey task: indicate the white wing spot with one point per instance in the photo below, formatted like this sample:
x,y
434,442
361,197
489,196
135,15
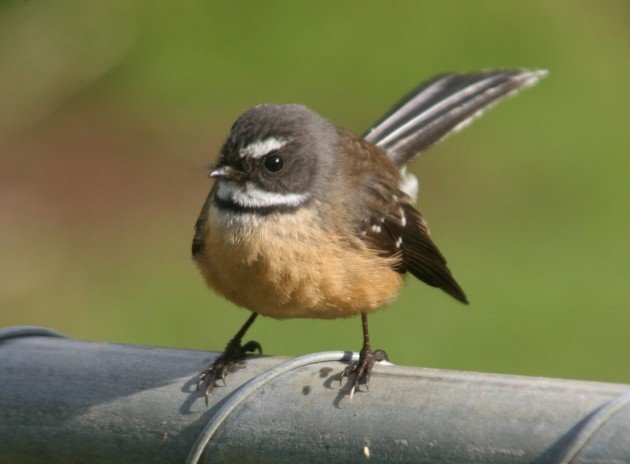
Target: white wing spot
x,y
399,242
376,229
403,217
410,184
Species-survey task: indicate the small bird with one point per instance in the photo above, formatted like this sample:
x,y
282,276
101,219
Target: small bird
x,y
307,220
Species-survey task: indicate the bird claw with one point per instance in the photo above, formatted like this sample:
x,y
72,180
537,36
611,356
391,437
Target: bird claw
x,y
234,352
251,347
362,369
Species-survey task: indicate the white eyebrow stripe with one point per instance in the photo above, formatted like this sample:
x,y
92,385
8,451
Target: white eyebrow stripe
x,y
250,195
260,148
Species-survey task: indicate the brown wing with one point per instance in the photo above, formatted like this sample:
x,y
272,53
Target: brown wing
x,y
402,230
386,220
198,245
422,258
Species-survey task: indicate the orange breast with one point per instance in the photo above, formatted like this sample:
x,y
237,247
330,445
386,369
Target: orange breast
x,y
285,265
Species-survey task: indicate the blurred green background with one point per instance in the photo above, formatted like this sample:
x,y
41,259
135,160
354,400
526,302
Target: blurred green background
x,y
111,111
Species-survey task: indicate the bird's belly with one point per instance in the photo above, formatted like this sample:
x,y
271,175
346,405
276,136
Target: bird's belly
x,y
286,265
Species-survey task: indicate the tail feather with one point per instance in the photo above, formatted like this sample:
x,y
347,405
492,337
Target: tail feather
x,y
443,105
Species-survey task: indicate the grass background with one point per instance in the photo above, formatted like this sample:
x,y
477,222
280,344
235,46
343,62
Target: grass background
x,y
112,110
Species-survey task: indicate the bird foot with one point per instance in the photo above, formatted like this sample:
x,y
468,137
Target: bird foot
x,y
362,369
234,352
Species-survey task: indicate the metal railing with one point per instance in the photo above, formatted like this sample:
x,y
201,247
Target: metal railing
x,y
63,400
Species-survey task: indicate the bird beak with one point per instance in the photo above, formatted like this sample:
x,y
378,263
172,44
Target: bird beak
x,y
226,172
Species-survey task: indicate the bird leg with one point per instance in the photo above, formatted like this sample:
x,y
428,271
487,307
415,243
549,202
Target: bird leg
x,y
362,369
233,353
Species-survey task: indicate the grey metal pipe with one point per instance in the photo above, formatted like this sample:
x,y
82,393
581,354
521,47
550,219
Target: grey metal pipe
x,y
64,400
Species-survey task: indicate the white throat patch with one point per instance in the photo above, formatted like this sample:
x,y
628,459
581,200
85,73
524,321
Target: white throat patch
x,y
249,195
260,148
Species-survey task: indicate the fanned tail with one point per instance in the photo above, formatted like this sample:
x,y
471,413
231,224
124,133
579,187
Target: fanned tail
x,y
443,105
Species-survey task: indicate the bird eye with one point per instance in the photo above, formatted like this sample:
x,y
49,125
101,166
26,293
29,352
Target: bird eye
x,y
274,162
